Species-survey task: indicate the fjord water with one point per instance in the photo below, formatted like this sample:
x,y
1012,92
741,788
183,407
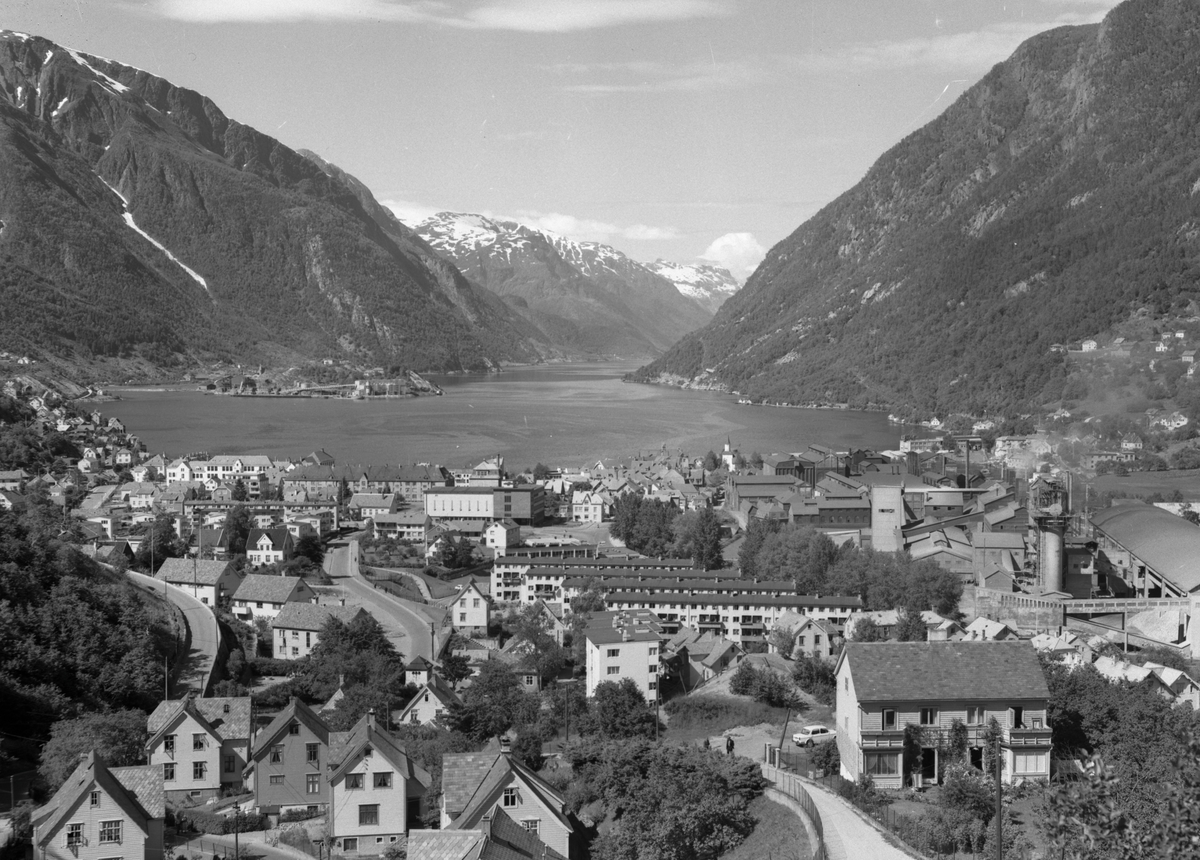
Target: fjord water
x,y
565,414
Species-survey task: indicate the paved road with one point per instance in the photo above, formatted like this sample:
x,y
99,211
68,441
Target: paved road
x,y
406,623
849,834
195,669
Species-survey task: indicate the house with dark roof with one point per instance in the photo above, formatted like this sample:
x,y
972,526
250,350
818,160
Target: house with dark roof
x,y
429,706
263,596
211,582
470,610
269,546
883,688
102,812
200,745
495,838
475,785
287,762
376,792
296,629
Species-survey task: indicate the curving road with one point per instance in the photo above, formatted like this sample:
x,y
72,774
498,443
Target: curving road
x,y
407,624
195,669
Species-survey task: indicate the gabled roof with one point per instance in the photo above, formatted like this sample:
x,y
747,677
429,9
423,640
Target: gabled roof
x,y
271,589
279,538
138,791
349,745
908,671
471,781
310,616
498,838
296,711
187,571
226,718
435,687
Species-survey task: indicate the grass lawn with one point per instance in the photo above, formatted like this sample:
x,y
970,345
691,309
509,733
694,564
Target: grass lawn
x,y
778,835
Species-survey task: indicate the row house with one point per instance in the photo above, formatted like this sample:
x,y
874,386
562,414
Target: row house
x,y
742,619
551,583
885,687
200,745
411,526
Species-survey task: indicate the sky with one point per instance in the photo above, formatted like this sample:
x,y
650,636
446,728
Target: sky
x,y
689,130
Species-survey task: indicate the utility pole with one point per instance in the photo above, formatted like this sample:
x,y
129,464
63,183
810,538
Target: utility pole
x,y
999,834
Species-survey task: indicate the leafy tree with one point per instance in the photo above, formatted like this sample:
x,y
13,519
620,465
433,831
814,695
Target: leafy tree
x,y
797,553
541,472
456,553
311,548
352,655
160,544
455,668
757,533
527,748
866,630
531,628
619,710
698,537
910,627
238,493
711,461
493,704
756,460
118,736
237,526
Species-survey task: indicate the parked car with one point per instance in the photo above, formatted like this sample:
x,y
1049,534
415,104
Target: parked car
x,y
810,735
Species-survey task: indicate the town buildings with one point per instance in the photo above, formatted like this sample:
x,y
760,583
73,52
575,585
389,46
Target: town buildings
x,y
201,745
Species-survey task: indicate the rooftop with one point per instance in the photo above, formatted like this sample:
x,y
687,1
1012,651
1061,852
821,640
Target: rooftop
x,y
954,671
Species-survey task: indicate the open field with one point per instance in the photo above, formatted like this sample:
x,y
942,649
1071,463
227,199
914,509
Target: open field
x,y
778,835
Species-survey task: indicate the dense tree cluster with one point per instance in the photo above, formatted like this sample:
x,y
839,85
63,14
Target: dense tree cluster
x,y
76,638
659,529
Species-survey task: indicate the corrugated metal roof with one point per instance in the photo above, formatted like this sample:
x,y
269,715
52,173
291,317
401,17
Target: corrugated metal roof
x,y
1167,544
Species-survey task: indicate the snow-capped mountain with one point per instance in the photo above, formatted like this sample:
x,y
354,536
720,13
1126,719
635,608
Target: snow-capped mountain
x,y
708,285
583,295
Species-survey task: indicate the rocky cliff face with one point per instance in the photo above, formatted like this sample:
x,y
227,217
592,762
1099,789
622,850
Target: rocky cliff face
x,y
1057,196
139,219
583,295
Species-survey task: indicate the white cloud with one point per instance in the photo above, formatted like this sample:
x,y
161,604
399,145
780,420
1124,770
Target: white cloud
x,y
530,16
410,214
740,253
656,76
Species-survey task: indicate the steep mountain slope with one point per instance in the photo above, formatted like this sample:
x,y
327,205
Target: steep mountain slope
x,y
139,219
583,295
711,286
1057,196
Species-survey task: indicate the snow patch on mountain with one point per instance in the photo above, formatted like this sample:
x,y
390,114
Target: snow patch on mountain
x,y
708,285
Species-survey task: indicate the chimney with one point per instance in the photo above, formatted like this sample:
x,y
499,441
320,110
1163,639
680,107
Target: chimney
x,y
371,718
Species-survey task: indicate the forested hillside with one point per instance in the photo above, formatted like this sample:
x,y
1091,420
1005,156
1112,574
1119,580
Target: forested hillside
x,y
1057,197
136,219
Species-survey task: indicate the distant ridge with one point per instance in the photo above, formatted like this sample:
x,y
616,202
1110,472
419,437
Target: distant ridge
x,y
1055,198
584,295
139,221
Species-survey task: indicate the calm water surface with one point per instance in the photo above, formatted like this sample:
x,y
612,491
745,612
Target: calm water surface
x,y
559,415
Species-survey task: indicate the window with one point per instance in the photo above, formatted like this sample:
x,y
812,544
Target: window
x,y
294,729
383,780
929,716
312,783
169,744
510,797
653,651
110,832
846,683
169,771
350,843
533,825
276,779
1029,762
368,814
889,720
277,754
1016,717
354,781
462,616
614,652
199,770
881,764
653,668
1035,722
198,741
312,752
74,834
94,800
614,670
975,715
228,764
